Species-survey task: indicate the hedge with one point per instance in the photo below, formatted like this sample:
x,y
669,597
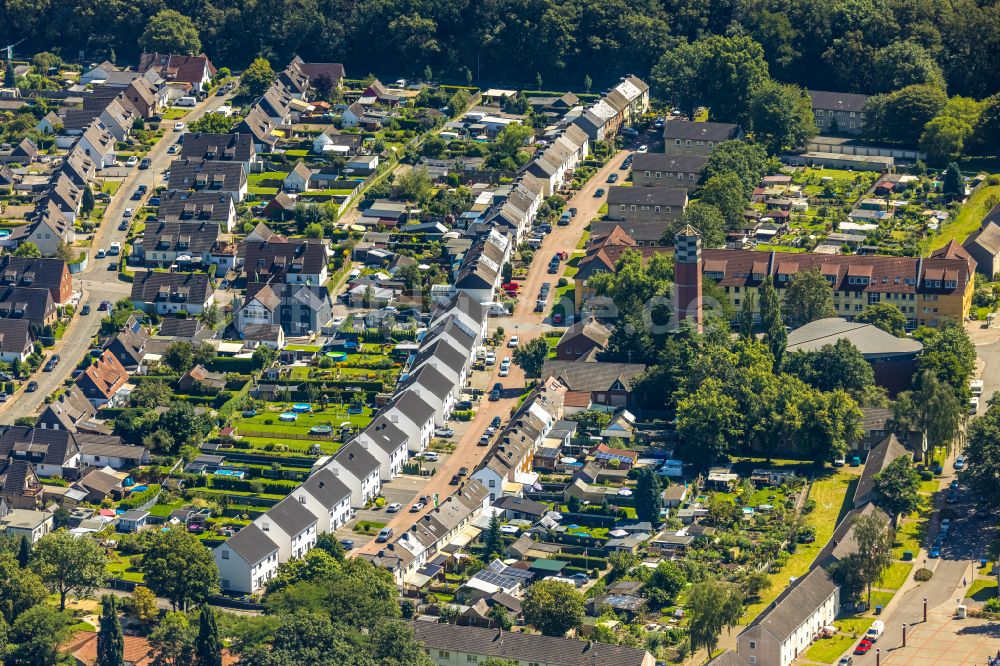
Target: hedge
x,y
243,366
275,487
138,499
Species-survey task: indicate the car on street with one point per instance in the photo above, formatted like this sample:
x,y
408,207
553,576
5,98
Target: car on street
x,y
101,253
178,127
952,498
123,225
393,508
455,480
32,386
3,397
85,310
954,484
384,535
959,463
464,471
491,358
612,178
846,661
490,431
863,647
417,507
145,163
172,150
484,440
599,192
136,195
572,211
496,422
112,267
431,456
132,161
505,372
105,305
643,149
934,553
128,212
514,340
494,395
444,432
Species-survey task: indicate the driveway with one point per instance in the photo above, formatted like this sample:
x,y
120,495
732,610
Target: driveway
x,y
96,283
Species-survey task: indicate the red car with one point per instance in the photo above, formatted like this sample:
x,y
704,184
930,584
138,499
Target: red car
x,y
510,286
863,647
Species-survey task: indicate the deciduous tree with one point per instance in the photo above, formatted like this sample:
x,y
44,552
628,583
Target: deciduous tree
x,y
712,606
169,31
530,356
67,564
897,487
886,316
553,607
178,567
809,297
781,116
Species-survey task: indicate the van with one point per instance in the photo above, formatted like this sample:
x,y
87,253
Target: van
x,y
875,631
973,405
186,101
114,249
977,387
384,535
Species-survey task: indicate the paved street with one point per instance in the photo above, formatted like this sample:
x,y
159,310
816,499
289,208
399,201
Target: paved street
x,y
526,324
96,283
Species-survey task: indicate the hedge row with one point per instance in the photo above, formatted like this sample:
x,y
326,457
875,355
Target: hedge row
x,y
243,366
274,487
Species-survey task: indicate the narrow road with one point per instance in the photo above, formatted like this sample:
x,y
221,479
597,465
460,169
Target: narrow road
x,y
525,323
96,283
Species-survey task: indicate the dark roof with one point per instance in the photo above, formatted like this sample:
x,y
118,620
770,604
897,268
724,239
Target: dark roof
x,y
35,305
797,603
880,456
27,271
52,447
585,376
196,174
263,259
870,340
356,460
205,206
315,70
222,147
194,238
647,196
154,286
15,335
838,101
251,544
431,379
291,516
413,407
385,434
686,129
510,503
525,647
664,162
326,488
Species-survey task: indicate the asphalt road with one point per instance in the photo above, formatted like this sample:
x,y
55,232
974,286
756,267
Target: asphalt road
x,y
96,283
525,323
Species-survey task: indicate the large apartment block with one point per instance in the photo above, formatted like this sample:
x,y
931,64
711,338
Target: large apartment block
x,y
838,113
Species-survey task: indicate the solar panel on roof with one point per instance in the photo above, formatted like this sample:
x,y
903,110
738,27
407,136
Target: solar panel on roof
x,y
430,570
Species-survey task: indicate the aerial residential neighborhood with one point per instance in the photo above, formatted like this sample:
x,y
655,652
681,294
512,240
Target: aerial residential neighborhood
x,y
516,340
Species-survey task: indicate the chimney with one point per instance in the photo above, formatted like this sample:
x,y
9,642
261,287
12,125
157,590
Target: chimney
x,y
499,635
590,644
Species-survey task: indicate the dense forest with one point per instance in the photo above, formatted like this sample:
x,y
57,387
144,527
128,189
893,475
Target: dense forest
x,y
828,44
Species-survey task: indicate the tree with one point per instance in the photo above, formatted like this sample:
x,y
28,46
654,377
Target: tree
x,y
207,646
704,217
178,567
747,159
900,116
458,102
949,355
179,356
944,139
173,640
169,31
708,423
37,636
933,408
781,116
393,644
648,496
9,77
848,574
87,202
904,63
553,607
28,249
712,606
256,79
110,644
982,452
211,316
492,539
414,185
954,183
530,356
212,123
885,316
20,589
500,616
587,83
151,394
775,335
24,552
67,564
830,423
665,583
809,297
143,604
182,423
726,193
746,316
897,487
721,73
837,366
874,538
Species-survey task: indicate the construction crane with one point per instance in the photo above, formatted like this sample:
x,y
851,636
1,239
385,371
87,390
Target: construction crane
x,y
10,49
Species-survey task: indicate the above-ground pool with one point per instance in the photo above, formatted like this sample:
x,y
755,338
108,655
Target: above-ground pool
x,y
139,489
4,233
337,356
301,407
356,409
230,472
288,416
321,430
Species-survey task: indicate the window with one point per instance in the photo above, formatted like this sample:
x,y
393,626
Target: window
x,y
688,142
622,208
225,554
471,657
657,174
753,644
753,659
632,208
676,142
657,209
668,209
444,654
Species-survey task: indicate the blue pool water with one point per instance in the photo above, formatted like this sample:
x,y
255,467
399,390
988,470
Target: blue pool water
x,y
301,407
288,416
230,472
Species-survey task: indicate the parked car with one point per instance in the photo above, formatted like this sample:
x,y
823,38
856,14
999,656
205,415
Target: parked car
x,y
129,212
32,386
484,440
144,163
393,508
464,471
431,456
863,647
101,252
172,150
178,127
599,192
505,372
85,310
455,480
496,422
494,395
463,405
416,507
959,463
514,340
444,432
643,149
136,195
612,177
572,211
132,161
123,225
347,544
846,661
934,553
384,535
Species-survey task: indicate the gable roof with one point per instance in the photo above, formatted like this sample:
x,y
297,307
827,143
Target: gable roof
x,y
221,147
192,174
155,286
707,131
291,516
647,196
879,457
326,488
103,377
202,206
796,604
586,376
251,544
837,101
194,238
666,162
986,237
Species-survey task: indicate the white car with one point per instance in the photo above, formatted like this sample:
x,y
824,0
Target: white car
x,y
172,150
393,508
128,213
491,358
505,361
643,149
178,127
504,371
132,161
431,456
514,341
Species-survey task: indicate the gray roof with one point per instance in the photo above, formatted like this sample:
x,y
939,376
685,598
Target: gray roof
x,y
686,129
793,606
664,162
413,407
251,544
727,658
385,434
223,147
870,340
291,516
988,235
431,379
326,488
356,460
525,647
838,101
647,196
585,376
880,456
510,503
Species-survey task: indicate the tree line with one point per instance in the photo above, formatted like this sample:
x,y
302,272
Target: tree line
x,y
855,45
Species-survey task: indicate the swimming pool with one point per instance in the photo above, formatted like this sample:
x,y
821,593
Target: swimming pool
x,y
235,473
4,233
288,416
301,407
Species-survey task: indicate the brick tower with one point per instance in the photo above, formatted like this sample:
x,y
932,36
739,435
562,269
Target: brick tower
x,y
687,276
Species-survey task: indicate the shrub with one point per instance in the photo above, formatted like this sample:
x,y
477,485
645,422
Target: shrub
x,y
924,575
809,506
992,605
926,475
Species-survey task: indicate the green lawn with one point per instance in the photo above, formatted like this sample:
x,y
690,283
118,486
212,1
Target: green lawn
x,y
968,218
896,575
267,424
827,650
175,113
110,186
982,589
830,494
123,569
880,598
